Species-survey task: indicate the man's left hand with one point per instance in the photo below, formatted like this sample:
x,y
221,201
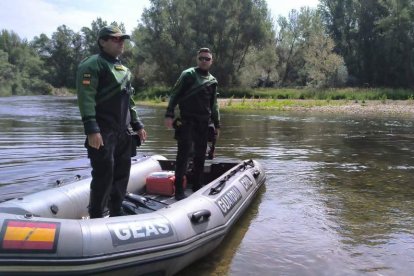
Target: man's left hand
x,y
142,135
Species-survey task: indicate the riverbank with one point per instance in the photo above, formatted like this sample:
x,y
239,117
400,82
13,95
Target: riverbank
x,y
386,107
334,106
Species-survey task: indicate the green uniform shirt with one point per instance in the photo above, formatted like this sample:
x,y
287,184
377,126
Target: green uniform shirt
x,y
105,95
195,92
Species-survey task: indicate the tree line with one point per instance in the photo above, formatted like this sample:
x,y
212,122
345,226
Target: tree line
x,y
340,43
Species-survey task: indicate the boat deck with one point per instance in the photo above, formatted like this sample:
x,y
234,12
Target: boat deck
x,y
146,202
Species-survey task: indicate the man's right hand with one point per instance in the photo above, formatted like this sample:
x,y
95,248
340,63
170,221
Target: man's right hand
x,y
95,140
169,122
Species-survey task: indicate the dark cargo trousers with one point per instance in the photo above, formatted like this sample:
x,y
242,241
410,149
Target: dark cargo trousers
x,y
191,137
111,166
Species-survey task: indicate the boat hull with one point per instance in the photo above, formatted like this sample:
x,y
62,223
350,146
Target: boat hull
x,y
40,235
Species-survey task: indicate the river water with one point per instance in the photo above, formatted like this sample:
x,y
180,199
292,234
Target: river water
x,y
339,197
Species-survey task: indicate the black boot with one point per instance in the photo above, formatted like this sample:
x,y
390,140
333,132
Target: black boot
x,y
180,196
96,207
197,180
179,191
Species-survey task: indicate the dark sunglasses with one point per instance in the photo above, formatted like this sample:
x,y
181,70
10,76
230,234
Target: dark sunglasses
x,y
204,58
116,39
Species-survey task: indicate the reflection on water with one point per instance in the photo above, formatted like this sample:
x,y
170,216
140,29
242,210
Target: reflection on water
x,y
339,199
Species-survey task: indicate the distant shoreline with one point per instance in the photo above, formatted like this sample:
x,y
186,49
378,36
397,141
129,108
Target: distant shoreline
x,y
397,108
387,107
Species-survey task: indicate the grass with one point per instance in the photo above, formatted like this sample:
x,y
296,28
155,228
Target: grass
x,y
282,98
276,104
323,94
359,94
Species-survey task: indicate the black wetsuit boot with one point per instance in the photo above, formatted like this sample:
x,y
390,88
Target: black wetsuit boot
x,y
179,190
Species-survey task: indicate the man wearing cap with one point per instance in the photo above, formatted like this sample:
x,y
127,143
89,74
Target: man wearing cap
x,y
107,110
195,93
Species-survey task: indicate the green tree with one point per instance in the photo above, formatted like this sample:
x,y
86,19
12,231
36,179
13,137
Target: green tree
x,y
41,44
260,67
62,58
375,38
288,45
306,53
25,68
172,31
397,41
323,68
6,74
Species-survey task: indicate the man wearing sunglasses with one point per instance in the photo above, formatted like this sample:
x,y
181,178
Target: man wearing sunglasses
x,y
108,110
195,93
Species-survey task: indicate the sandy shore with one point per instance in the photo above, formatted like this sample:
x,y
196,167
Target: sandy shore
x,y
398,108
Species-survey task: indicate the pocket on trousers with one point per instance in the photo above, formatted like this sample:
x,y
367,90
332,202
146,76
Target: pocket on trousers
x,y
135,142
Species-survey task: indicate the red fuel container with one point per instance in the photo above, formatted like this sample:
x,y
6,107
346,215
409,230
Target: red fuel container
x,y
162,183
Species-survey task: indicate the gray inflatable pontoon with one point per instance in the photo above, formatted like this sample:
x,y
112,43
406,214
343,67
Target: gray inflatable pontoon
x,y
48,232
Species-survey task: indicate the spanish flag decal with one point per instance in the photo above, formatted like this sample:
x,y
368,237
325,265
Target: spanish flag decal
x,y
86,79
28,236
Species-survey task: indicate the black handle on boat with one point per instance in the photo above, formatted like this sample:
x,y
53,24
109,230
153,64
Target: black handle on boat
x,y
256,173
200,216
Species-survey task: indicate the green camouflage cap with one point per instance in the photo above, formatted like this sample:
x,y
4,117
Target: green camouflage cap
x,y
112,31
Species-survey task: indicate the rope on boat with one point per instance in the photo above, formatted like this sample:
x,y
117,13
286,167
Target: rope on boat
x,y
242,167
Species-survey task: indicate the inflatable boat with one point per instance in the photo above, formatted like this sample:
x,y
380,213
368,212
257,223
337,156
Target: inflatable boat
x,y
49,232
